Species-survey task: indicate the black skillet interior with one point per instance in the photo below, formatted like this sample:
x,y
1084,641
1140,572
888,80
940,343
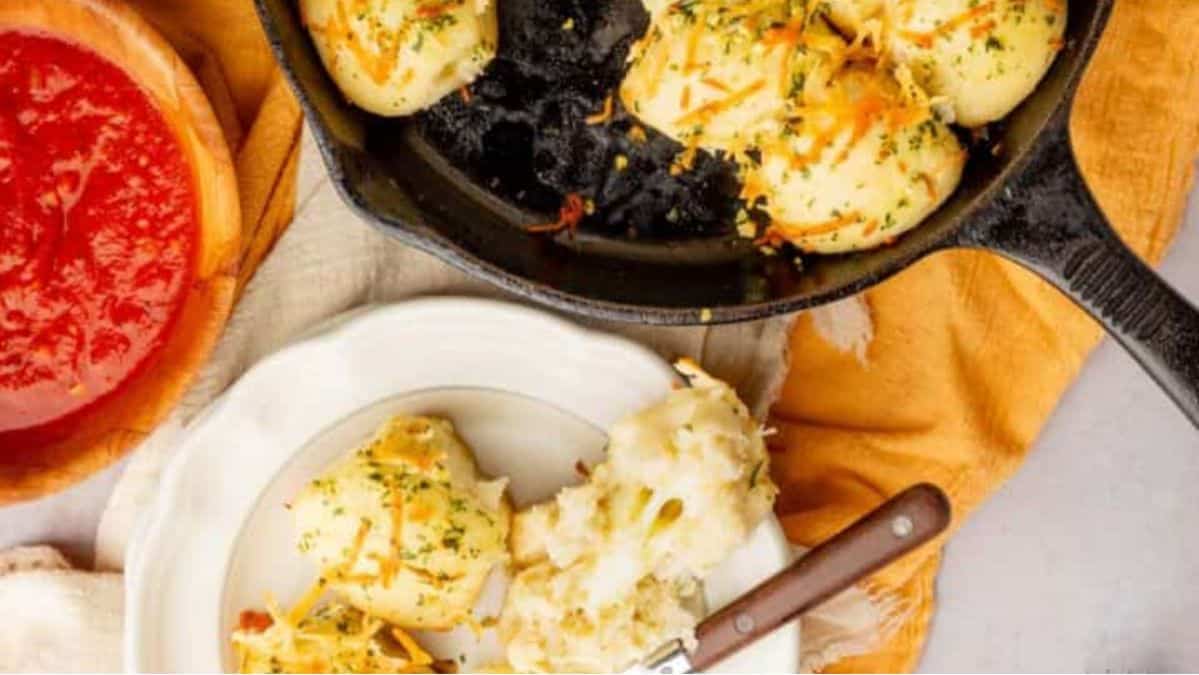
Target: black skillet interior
x,y
400,183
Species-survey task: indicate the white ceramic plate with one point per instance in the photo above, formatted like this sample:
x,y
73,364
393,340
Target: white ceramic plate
x,y
530,393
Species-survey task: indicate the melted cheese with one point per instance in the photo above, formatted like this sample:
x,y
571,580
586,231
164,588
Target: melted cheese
x,y
397,57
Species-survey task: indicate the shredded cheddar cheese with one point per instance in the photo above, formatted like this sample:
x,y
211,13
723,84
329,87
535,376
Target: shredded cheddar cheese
x,y
569,215
603,115
334,638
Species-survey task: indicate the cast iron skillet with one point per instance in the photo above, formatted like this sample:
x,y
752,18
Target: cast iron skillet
x,y
1030,205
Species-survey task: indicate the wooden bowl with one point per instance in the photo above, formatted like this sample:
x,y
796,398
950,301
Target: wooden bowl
x,y
110,428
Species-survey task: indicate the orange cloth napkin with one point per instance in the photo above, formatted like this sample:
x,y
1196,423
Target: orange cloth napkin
x,y
970,353
222,42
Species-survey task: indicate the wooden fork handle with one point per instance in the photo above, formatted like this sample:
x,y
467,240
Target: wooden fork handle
x,y
908,520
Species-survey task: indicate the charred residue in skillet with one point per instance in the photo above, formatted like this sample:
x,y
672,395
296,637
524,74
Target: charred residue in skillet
x,y
521,130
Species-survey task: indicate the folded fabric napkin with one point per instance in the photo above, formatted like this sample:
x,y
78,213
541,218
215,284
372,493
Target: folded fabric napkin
x,y
55,619
863,412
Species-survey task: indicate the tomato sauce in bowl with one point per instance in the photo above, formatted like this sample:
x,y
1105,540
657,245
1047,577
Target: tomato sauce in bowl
x,y
98,230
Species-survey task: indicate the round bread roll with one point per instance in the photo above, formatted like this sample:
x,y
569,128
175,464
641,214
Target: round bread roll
x,y
984,56
860,166
403,529
399,56
714,73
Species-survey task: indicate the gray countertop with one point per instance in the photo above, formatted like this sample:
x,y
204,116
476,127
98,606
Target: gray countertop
x,y
1086,561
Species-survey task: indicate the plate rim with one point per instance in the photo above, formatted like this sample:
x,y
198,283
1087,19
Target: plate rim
x,y
151,524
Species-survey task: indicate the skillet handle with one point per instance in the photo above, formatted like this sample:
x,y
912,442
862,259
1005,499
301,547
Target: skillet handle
x,y
1048,221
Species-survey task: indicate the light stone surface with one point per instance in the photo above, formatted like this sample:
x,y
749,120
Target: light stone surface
x,y
1088,559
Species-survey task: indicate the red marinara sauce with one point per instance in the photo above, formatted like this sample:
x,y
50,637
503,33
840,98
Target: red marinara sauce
x,y
98,230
